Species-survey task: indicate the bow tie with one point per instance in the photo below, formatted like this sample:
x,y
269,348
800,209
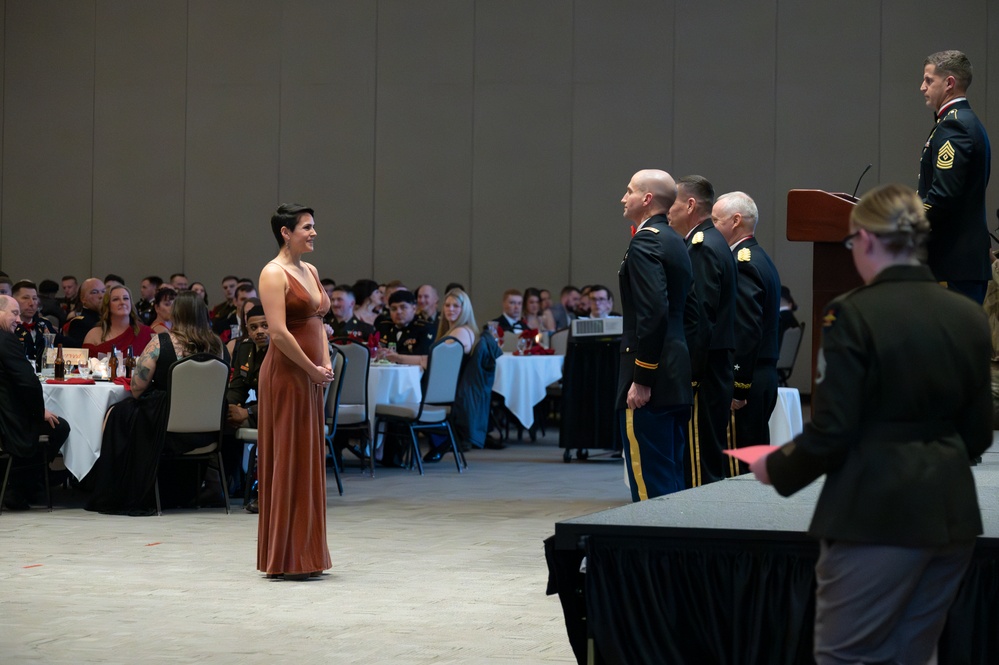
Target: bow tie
x,y
29,325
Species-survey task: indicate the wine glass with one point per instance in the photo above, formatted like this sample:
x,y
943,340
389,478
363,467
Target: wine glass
x,y
523,345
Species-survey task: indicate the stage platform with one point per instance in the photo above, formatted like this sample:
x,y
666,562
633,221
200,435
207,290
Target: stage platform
x,y
724,574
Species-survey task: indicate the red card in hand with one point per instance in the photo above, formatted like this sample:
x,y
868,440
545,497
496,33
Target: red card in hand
x,y
750,454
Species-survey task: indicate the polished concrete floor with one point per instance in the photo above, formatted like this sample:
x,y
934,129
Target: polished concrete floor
x,y
444,568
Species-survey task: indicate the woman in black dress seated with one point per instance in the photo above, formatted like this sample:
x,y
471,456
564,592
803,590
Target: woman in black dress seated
x,y
135,429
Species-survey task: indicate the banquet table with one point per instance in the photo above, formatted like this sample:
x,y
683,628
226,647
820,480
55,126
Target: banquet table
x,y
392,384
785,421
83,407
523,382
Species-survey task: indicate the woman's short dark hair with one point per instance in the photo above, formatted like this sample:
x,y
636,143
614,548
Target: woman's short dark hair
x,y
163,293
363,288
287,216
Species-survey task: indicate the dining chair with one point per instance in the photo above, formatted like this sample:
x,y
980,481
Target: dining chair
x,y
339,362
4,455
196,402
789,353
559,341
249,435
510,340
433,410
352,412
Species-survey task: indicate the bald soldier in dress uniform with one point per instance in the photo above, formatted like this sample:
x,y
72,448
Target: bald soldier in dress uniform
x,y
756,323
711,336
953,174
654,392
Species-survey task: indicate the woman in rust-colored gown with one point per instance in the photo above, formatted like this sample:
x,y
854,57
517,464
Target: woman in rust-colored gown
x,y
291,458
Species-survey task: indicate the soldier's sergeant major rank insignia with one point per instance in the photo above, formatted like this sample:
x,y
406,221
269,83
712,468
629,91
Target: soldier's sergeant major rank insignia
x,y
945,157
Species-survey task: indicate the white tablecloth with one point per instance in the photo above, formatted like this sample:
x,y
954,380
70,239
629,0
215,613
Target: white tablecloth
x,y
83,407
393,384
523,380
785,421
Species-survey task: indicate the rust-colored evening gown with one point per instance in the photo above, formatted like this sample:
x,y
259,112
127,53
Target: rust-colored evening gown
x,y
291,459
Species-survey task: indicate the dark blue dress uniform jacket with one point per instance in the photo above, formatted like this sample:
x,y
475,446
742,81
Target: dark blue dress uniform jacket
x,y
654,281
953,174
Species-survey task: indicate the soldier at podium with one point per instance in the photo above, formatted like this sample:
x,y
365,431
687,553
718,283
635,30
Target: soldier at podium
x,y
953,175
757,315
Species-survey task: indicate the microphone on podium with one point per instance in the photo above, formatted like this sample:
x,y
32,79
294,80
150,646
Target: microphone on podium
x,y
857,188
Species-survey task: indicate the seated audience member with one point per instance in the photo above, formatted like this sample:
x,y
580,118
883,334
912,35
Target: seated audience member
x,y
135,429
227,306
23,416
328,286
458,321
179,282
787,318
147,296
426,305
32,328
561,314
6,286
583,304
383,323
119,327
162,308
91,296
247,357
601,302
532,309
70,296
231,326
344,322
200,289
510,320
408,341
369,300
546,299
111,279
244,330
49,304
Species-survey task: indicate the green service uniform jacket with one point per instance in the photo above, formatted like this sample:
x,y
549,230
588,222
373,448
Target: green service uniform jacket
x,y
902,402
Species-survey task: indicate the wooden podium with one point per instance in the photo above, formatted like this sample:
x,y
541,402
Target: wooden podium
x,y
823,218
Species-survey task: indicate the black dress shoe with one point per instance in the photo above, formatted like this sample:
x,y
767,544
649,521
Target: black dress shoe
x,y
436,454
15,501
493,444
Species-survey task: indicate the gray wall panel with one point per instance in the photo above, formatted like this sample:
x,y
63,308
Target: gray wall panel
x,y
830,156
423,138
905,119
485,141
328,129
523,134
231,186
724,124
48,138
139,124
622,119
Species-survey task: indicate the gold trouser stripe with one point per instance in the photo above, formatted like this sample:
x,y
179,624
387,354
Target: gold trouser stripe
x,y
733,463
694,438
636,455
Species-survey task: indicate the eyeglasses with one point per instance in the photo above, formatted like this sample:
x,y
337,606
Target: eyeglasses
x,y
848,241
